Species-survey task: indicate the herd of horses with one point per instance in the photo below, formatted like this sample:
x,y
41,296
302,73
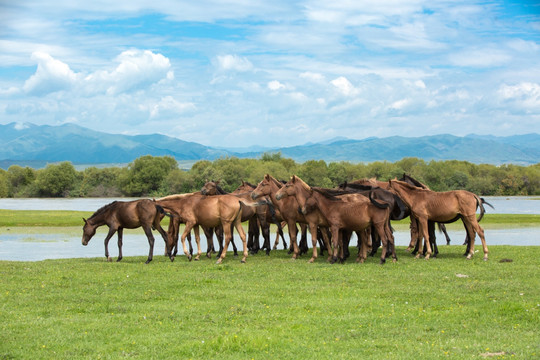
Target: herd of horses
x,y
365,207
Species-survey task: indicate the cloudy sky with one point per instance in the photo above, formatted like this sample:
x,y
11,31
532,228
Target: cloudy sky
x,y
237,73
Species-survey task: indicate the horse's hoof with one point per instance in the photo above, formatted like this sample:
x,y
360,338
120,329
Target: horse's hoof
x,y
243,261
109,259
190,257
148,262
382,262
218,262
117,260
485,258
311,261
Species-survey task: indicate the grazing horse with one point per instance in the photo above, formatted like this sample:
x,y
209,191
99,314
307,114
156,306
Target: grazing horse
x,y
353,212
208,211
287,209
120,215
442,207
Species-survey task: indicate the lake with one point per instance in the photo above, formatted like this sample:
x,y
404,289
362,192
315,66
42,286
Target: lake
x,y
40,243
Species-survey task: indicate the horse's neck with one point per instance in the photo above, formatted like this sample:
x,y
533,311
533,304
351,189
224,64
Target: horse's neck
x,y
99,219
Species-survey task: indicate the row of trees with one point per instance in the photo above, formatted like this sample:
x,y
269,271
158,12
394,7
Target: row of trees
x,y
159,176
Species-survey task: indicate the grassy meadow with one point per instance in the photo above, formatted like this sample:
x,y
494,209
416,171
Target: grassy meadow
x,y
271,307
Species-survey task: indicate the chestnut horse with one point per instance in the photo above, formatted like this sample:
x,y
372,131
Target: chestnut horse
x,y
209,211
255,215
247,187
353,212
287,209
120,215
442,207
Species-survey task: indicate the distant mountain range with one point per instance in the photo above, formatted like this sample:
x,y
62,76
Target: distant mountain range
x,y
35,146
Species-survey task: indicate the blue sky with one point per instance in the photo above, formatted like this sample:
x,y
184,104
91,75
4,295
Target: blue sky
x,y
250,72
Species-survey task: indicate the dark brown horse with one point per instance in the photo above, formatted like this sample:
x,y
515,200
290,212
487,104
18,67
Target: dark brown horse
x,y
209,211
120,215
443,207
353,212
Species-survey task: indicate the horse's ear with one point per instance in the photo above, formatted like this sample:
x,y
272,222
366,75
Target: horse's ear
x,y
85,220
293,178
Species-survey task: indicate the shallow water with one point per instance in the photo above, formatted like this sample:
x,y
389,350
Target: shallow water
x,y
35,244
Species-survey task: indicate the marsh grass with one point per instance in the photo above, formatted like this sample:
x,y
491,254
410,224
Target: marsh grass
x,y
273,307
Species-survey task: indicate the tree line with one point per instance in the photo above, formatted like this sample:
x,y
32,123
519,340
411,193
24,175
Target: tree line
x,y
159,176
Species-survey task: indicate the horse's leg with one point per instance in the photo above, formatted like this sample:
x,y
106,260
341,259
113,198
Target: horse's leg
x,y
163,234
240,229
265,227
480,231
313,230
148,231
380,230
111,232
415,235
432,238
209,233
120,235
346,239
250,237
391,241
335,243
375,242
424,236
198,241
293,231
303,240
187,229
228,235
363,246
442,227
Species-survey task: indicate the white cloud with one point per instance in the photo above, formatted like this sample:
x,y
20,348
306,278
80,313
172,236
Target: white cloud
x,y
137,69
171,107
315,77
526,94
344,86
234,62
51,75
275,85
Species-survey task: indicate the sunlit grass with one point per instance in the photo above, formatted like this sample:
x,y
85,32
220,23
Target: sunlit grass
x,y
273,307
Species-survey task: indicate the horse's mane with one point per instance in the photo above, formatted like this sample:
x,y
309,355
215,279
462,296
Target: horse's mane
x,y
409,186
275,181
357,186
303,183
220,190
331,194
414,181
250,184
104,209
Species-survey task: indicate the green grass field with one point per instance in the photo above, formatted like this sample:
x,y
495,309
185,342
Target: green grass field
x,y
273,307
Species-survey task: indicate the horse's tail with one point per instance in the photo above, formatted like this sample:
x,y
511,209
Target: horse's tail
x,y
380,205
400,209
161,210
480,203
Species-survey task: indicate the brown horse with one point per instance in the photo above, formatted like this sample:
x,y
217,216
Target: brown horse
x,y
287,209
209,211
120,215
442,207
246,187
348,211
254,215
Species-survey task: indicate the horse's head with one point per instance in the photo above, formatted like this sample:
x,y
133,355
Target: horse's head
x,y
210,188
264,188
89,230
